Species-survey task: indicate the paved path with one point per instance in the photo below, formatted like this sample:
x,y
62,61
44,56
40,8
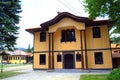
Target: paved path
x,y
43,75
59,74
16,68
53,75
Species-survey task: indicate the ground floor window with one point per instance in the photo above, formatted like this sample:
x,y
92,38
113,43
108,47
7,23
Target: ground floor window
x,y
59,58
42,59
98,57
78,57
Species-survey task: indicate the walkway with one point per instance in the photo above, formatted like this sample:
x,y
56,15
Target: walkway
x,y
58,74
43,75
53,75
17,68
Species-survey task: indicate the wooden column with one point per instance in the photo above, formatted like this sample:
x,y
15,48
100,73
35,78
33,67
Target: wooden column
x,y
52,50
82,49
86,60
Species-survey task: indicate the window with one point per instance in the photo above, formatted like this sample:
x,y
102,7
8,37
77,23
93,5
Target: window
x,y
73,35
63,36
115,51
98,57
78,57
96,32
42,59
68,35
42,36
59,58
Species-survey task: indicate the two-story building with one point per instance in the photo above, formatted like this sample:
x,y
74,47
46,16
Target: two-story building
x,y
71,42
116,55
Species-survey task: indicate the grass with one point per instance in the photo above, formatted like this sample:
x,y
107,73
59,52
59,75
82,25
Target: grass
x,y
13,65
9,74
93,77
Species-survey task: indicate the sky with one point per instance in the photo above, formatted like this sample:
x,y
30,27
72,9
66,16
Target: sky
x,y
35,12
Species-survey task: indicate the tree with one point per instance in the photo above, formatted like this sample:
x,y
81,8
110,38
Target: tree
x,y
109,8
9,17
29,49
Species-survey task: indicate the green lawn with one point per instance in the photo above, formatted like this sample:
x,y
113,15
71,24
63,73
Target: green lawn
x,y
9,74
93,77
13,65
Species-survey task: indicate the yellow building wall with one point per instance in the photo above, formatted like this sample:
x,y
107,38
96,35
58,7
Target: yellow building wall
x,y
92,43
97,43
107,60
58,65
36,60
78,64
40,46
74,45
65,22
16,59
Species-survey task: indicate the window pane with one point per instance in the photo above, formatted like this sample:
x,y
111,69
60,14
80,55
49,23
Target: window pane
x,y
42,59
78,57
68,35
98,58
63,36
42,36
96,32
59,58
73,35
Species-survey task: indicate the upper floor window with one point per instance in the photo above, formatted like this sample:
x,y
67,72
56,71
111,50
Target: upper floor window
x,y
42,36
96,32
68,35
98,57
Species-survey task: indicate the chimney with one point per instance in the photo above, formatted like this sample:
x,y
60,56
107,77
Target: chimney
x,y
58,12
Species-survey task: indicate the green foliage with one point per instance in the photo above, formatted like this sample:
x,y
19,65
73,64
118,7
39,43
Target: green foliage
x,y
29,49
93,77
9,17
114,75
9,74
104,8
109,8
114,35
115,39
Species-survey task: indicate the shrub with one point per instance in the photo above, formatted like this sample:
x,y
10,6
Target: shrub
x,y
114,75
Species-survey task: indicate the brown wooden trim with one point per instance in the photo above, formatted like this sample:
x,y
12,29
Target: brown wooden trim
x,y
110,47
40,69
82,49
100,68
86,60
33,49
115,48
52,50
71,50
49,60
98,49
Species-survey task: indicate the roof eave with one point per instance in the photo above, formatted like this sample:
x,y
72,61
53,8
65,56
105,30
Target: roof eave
x,y
32,30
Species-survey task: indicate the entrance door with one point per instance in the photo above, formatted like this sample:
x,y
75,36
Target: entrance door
x,y
68,60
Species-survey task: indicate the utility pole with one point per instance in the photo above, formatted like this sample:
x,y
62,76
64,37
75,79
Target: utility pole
x,y
2,57
2,53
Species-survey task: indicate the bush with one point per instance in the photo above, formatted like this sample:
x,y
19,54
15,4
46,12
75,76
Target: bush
x,y
114,75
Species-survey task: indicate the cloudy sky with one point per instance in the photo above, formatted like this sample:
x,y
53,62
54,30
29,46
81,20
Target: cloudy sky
x,y
36,12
